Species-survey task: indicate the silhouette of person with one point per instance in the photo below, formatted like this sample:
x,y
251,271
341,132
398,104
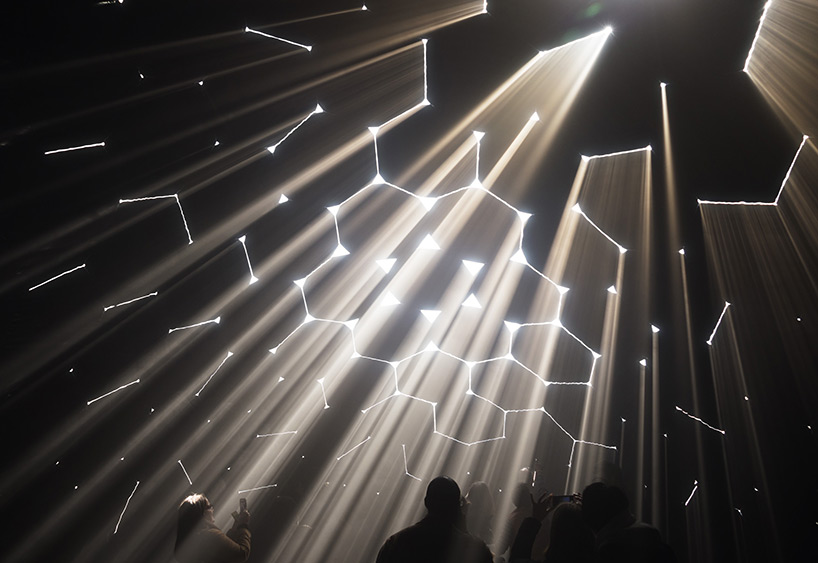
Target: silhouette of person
x,y
436,538
619,536
480,511
199,540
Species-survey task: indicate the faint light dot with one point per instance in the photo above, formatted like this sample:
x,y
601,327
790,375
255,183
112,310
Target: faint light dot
x,y
76,487
327,482
345,484
302,457
57,463
122,459
249,411
746,398
228,469
378,493
798,319
208,421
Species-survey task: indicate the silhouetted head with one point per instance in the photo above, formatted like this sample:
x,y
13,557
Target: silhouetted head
x,y
520,496
601,503
443,498
571,538
479,497
194,512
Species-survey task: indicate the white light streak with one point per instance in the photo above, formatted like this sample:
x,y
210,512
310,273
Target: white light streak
x,y
185,471
693,492
112,392
713,334
755,39
406,466
178,203
324,393
272,148
57,276
353,449
620,153
792,164
307,47
277,434
214,373
253,278
697,419
126,508
81,147
241,492
217,320
154,294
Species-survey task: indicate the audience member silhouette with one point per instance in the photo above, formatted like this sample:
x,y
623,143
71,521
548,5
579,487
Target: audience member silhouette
x,y
436,538
199,540
619,536
572,541
480,511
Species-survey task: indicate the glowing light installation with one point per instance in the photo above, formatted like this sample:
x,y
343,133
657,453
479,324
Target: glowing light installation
x,y
81,147
214,373
353,449
217,320
185,471
307,47
406,465
713,334
174,196
272,148
129,301
112,392
56,277
693,492
773,203
699,420
389,299
116,529
755,39
241,492
288,432
577,209
242,239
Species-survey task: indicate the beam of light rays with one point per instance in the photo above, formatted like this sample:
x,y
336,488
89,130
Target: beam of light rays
x,y
227,357
57,277
718,322
128,302
324,393
77,148
406,465
699,420
109,393
262,488
318,109
577,209
179,461
178,203
343,455
755,39
217,320
287,433
305,47
116,529
693,492
243,240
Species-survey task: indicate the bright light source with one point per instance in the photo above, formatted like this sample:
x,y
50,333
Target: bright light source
x,y
612,290
334,210
378,180
428,202
576,208
340,251
682,251
478,135
430,314
428,243
386,264
643,362
318,109
512,327
283,199
534,117
389,299
374,130
654,329
524,217
471,301
301,282
472,267
519,257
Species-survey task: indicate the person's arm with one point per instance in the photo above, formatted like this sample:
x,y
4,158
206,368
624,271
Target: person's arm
x,y
524,541
234,546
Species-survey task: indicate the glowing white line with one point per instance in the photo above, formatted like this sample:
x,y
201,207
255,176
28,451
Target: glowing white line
x,y
353,449
214,373
693,492
620,153
324,393
112,392
217,320
178,203
577,209
253,278
597,444
55,277
185,470
755,39
713,334
307,47
272,148
126,508
277,434
697,419
258,488
425,83
55,151
154,294
789,170
406,466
